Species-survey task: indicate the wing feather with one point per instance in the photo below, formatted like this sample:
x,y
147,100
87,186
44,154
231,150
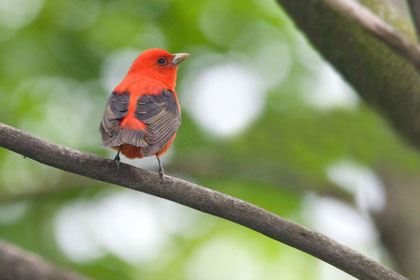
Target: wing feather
x,y
161,115
115,110
110,128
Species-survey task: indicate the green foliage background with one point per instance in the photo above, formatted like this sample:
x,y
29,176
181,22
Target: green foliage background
x,y
51,85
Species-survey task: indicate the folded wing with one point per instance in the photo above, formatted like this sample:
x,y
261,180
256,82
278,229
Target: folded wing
x,y
161,115
112,133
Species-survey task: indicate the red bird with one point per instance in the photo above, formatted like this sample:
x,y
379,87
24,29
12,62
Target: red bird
x,y
143,113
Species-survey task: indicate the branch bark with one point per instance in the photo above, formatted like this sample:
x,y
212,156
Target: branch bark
x,y
197,197
16,264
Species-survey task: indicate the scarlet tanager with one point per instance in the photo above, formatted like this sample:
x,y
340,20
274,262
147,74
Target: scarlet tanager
x,y
142,115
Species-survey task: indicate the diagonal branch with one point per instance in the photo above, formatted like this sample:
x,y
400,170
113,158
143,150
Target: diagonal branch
x,y
371,23
197,197
15,264
381,65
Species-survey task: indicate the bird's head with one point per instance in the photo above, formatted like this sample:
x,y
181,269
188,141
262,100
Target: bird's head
x,y
158,64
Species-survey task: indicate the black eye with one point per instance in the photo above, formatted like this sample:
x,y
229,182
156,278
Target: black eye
x,y
161,61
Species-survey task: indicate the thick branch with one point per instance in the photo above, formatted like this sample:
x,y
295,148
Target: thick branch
x,y
376,61
367,20
16,264
197,197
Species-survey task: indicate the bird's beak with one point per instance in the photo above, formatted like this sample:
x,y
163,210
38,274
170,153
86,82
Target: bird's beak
x,y
179,57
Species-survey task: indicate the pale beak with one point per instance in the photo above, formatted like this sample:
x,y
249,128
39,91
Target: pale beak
x,y
179,57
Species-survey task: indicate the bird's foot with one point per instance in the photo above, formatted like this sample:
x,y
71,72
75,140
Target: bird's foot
x,y
117,159
161,171
161,174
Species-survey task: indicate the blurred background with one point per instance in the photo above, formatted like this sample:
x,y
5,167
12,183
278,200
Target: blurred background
x,y
264,119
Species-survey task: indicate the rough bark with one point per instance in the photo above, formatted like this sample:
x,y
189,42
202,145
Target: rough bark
x,y
197,197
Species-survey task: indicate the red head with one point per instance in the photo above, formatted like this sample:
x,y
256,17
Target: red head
x,y
158,64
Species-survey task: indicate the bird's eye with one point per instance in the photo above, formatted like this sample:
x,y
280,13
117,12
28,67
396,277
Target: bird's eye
x,y
161,61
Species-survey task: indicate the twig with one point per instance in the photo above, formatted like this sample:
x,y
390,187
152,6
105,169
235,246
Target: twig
x,y
415,15
197,197
16,264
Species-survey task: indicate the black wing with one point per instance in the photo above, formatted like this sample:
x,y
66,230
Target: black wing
x,y
115,110
160,114
110,129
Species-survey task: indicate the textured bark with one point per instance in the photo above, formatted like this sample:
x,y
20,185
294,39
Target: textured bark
x,y
16,264
197,197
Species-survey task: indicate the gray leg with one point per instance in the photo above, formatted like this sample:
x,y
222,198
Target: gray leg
x,y
117,159
161,172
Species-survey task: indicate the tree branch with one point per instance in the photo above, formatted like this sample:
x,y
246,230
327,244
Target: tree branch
x,y
371,23
211,165
197,197
16,264
380,64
